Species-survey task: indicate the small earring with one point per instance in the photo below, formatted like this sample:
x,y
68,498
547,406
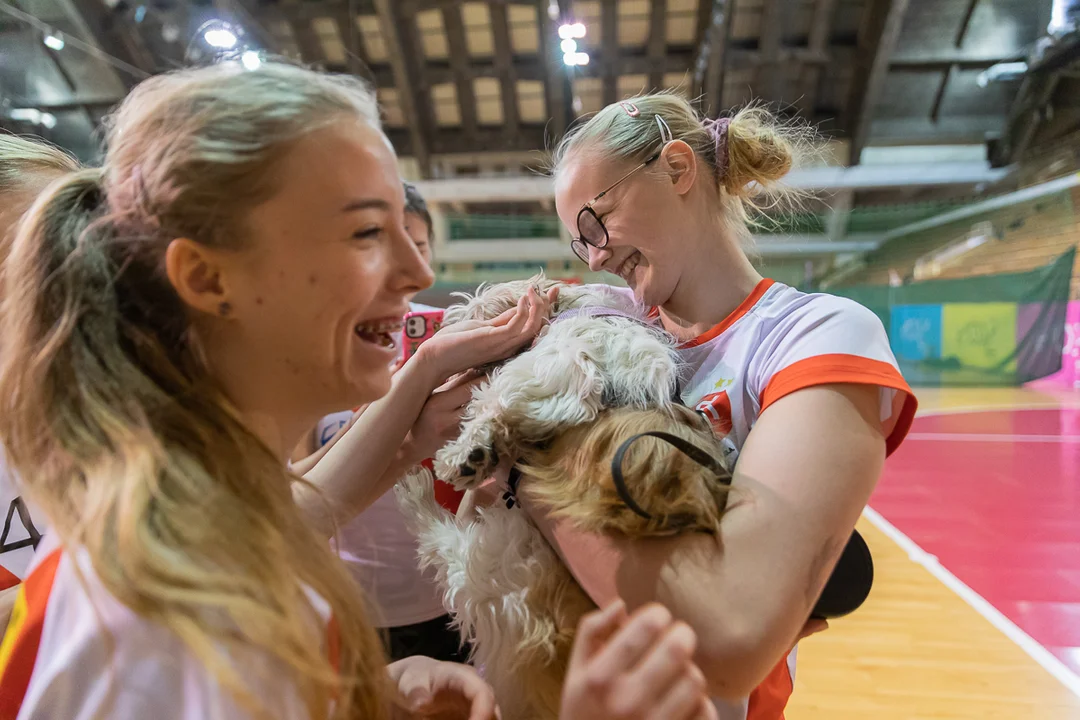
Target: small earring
x,y
224,309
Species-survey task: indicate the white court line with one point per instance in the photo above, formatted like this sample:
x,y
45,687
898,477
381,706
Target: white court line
x,y
993,437
1046,659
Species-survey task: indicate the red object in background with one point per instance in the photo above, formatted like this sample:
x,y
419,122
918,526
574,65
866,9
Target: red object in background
x,y
445,494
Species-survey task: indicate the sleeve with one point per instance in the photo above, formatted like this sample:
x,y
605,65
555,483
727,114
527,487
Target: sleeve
x,y
830,340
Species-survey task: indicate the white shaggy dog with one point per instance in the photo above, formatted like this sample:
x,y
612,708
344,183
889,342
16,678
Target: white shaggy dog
x,y
592,382
583,363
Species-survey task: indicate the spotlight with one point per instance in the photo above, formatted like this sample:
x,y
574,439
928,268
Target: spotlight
x,y
30,115
54,42
577,30
582,58
48,120
569,46
220,37
250,60
566,31
575,58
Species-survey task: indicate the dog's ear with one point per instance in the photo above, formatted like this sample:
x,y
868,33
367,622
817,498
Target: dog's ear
x,y
675,493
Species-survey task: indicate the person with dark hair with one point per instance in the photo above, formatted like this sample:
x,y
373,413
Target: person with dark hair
x,y
418,222
376,546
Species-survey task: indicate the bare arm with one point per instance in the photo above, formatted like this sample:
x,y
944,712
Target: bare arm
x,y
378,449
804,475
370,454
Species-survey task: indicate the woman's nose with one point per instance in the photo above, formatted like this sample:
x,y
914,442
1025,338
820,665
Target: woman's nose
x,y
597,257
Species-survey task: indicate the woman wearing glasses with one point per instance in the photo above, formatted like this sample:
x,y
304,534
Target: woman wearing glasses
x,y
803,387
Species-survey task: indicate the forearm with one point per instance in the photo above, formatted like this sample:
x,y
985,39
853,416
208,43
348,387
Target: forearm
x,y
748,592
370,456
744,620
731,590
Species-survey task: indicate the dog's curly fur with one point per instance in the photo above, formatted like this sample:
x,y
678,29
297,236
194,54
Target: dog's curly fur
x,y
562,408
575,369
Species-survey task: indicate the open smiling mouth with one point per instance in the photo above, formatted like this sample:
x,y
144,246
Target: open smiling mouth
x,y
380,332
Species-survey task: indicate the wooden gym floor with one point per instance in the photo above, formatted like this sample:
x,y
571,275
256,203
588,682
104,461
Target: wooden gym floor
x,y
975,612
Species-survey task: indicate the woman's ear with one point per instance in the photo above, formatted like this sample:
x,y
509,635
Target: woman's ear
x,y
198,276
681,164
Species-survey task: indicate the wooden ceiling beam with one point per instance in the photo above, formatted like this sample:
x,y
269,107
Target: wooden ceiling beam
x,y
555,81
311,9
414,6
769,72
114,36
939,62
876,43
459,65
714,56
609,33
307,40
357,61
965,23
818,44
504,66
420,124
657,41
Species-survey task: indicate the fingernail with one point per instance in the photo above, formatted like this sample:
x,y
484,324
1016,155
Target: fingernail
x,y
683,635
658,614
613,609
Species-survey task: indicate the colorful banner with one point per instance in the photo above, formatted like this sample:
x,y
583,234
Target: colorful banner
x,y
980,335
915,332
1069,376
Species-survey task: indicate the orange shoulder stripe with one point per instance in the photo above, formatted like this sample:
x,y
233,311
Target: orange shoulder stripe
x,y
18,653
840,368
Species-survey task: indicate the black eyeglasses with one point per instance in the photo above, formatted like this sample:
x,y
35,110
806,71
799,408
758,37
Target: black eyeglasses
x,y
591,229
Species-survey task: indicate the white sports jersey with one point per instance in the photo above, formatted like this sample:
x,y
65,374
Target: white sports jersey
x,y
74,652
778,341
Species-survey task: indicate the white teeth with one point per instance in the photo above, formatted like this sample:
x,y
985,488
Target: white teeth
x,y
628,265
387,326
379,333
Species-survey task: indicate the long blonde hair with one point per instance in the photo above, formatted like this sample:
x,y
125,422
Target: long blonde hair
x,y
25,166
117,430
760,150
21,157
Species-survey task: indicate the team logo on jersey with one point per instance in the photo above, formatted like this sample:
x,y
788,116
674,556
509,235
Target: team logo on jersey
x,y
717,408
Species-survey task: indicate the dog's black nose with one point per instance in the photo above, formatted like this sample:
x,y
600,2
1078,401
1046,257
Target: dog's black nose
x,y
477,455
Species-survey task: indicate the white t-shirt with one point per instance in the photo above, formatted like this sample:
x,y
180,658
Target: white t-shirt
x,y
74,652
778,341
381,552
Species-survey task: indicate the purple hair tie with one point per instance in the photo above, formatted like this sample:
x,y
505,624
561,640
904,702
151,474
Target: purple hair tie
x,y
719,130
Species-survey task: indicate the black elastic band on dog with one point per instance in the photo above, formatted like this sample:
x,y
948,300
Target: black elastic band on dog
x,y
687,448
512,482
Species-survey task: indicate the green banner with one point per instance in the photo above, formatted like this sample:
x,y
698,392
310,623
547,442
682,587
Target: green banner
x,y
989,330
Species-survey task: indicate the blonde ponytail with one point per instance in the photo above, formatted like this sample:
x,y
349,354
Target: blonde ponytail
x,y
121,435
